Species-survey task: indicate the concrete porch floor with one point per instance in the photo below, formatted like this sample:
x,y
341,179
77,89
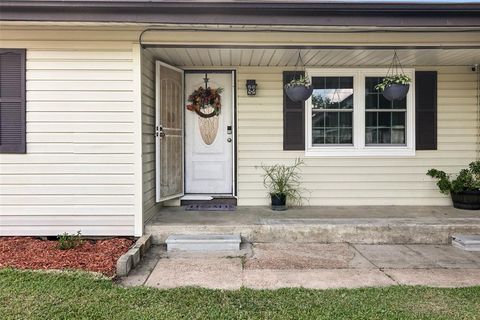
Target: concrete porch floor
x,y
352,224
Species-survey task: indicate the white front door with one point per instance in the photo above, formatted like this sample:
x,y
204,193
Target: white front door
x,y
209,141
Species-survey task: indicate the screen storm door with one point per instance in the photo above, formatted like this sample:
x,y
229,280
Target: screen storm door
x,y
169,113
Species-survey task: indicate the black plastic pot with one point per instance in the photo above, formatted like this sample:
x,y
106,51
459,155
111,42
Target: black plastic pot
x,y
468,200
298,93
396,91
279,201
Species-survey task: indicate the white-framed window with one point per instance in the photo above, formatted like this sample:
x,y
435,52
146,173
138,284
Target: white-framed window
x,y
346,116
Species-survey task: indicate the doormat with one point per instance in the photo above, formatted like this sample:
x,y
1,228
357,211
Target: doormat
x,y
210,207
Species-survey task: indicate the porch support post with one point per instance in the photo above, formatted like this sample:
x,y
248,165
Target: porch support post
x,y
137,113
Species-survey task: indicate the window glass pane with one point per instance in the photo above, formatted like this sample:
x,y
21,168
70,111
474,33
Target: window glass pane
x,y
331,119
371,101
383,103
347,103
398,136
345,119
371,136
383,127
371,119
383,135
370,83
332,114
318,119
318,136
384,119
346,83
332,92
318,82
345,135
398,127
398,119
331,135
332,127
332,83
400,104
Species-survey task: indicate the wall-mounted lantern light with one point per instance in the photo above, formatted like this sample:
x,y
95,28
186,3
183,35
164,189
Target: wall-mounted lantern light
x,y
251,87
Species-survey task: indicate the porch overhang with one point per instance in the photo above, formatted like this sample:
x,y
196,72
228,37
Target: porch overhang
x,y
314,56
247,45
312,13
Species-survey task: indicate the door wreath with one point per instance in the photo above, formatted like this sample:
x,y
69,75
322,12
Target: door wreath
x,y
201,99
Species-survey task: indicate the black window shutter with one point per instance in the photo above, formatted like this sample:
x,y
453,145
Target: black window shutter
x,y
426,110
293,117
12,101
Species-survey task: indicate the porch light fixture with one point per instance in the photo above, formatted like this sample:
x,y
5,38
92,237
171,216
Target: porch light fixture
x,y
251,87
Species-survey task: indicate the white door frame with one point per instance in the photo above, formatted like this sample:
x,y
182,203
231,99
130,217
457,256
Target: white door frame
x,y
233,72
157,137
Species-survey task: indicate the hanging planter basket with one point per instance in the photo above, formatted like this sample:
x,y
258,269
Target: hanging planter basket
x,y
298,93
395,84
396,91
299,90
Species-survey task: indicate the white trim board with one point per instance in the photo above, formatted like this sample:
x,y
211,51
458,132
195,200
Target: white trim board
x,y
195,197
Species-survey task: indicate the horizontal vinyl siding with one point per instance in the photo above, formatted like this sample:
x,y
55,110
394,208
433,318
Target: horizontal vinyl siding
x,y
150,207
78,173
354,181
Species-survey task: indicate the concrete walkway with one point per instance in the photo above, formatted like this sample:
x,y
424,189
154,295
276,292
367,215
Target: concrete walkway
x,y
309,265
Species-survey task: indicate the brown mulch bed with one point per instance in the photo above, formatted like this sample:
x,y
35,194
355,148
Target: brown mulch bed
x,y
92,255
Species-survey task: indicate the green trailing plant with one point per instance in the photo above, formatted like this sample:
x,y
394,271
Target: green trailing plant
x,y
302,81
285,180
68,241
395,79
467,179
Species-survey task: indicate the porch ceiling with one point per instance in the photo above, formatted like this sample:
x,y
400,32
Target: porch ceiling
x,y
209,57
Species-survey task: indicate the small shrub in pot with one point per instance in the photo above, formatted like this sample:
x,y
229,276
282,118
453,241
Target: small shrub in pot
x,y
464,188
283,184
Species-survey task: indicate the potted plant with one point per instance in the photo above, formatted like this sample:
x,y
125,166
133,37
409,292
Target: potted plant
x,y
283,184
464,189
299,89
394,87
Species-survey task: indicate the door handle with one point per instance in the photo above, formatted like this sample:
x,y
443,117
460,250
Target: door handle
x,y
229,139
159,132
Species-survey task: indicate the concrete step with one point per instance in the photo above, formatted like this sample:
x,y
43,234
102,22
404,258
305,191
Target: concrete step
x,y
466,242
365,231
203,242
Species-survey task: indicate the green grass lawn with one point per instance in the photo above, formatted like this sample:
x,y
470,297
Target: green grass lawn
x,y
73,295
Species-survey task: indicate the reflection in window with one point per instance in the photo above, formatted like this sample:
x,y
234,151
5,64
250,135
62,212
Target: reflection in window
x,y
332,110
384,120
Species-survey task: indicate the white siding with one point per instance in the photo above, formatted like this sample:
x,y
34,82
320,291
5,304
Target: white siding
x,y
354,181
79,169
150,207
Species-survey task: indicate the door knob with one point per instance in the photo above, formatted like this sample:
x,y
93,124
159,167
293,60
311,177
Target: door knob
x,y
229,139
